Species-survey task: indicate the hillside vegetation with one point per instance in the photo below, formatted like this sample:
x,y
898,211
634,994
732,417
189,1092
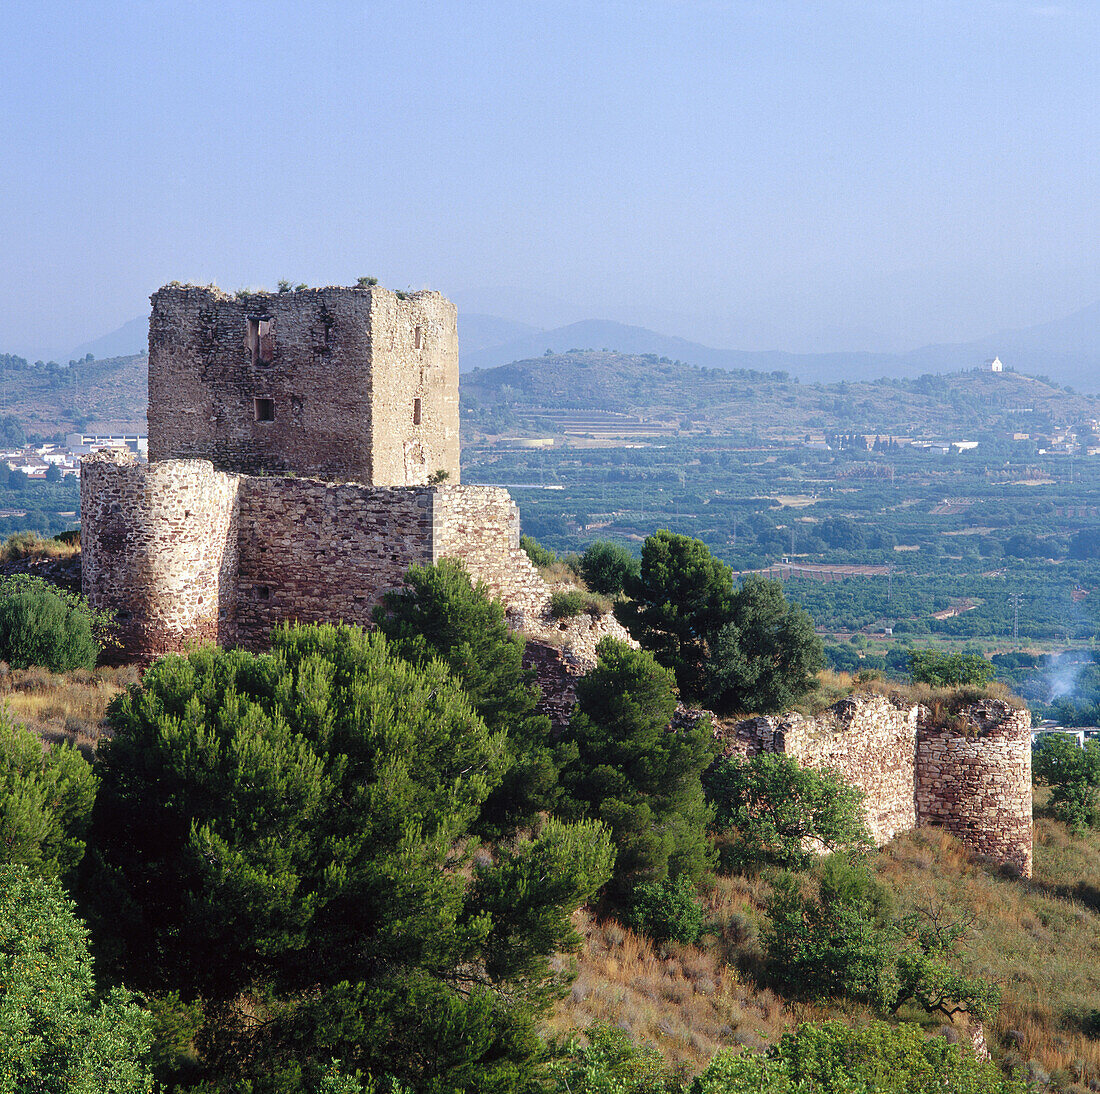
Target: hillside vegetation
x,y
49,399
773,403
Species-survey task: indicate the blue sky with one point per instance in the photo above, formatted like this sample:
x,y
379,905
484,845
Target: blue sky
x,y
810,176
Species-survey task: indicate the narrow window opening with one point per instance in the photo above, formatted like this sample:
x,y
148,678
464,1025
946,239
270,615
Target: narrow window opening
x,y
416,337
416,411
252,339
263,410
265,341
263,592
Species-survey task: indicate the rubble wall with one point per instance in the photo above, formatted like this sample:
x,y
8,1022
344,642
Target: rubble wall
x,y
159,548
974,779
338,383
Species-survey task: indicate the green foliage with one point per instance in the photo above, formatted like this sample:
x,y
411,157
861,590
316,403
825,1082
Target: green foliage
x,y
45,801
835,943
1073,774
438,477
942,670
681,598
667,910
41,624
539,555
568,603
635,774
766,657
289,835
778,812
609,568
833,1058
843,941
55,1036
443,614
611,1063
737,650
366,282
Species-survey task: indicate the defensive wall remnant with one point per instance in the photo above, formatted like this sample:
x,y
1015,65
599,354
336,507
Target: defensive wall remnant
x,y
972,778
295,441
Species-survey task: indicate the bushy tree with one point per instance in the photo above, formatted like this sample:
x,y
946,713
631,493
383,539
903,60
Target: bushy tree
x,y
1073,775
679,601
608,567
56,1037
443,614
539,555
843,940
737,650
943,670
775,812
46,801
835,1058
287,837
41,624
634,773
766,656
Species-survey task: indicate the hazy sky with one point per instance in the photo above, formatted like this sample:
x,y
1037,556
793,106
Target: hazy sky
x,y
799,175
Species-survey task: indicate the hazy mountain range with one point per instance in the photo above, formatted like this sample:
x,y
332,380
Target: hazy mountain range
x,y
1067,350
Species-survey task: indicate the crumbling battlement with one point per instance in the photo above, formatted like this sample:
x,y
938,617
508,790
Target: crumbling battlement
x,y
975,782
340,383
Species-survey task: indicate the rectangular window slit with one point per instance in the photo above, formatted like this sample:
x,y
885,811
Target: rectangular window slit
x,y
263,592
263,410
416,411
416,338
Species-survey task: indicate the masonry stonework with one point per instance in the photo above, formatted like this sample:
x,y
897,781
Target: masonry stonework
x,y
339,383
159,548
973,779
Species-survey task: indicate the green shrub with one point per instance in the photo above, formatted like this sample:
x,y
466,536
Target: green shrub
x,y
833,1058
569,603
608,567
611,1063
667,910
539,555
46,799
41,624
777,812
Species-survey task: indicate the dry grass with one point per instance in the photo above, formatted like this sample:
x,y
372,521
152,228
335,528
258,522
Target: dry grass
x,y
65,707
31,545
1039,939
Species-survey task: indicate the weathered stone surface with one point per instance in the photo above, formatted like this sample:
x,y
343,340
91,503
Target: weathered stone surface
x,y
975,783
360,383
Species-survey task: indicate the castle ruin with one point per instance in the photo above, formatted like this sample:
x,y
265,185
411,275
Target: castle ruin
x,y
304,453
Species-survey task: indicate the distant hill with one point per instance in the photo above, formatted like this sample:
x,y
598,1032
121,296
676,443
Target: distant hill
x,y
972,403
131,338
102,396
1067,350
478,332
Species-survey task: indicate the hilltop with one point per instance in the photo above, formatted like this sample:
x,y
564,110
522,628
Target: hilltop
x,y
108,396
773,403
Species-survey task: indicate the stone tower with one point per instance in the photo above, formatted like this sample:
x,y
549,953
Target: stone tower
x,y
339,383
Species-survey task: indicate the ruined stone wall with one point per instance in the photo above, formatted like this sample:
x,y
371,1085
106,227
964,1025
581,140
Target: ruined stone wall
x,y
869,742
337,383
159,548
317,551
480,526
976,782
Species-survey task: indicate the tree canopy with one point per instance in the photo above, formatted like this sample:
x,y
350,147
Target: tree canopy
x,y
290,833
